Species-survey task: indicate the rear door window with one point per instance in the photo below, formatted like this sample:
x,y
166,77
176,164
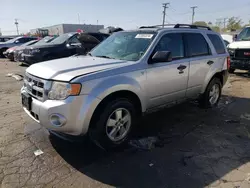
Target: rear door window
x,y
217,43
197,45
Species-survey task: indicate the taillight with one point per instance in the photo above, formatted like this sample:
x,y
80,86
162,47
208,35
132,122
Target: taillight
x,y
228,63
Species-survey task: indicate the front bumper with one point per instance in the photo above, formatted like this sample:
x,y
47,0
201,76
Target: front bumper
x,y
10,56
77,111
5,54
31,59
240,64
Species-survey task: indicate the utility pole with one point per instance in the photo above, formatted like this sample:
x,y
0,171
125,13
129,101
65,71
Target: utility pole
x,y
224,21
218,23
79,22
193,9
165,6
16,23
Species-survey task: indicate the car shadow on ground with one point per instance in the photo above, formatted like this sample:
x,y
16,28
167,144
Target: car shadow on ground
x,y
245,74
198,148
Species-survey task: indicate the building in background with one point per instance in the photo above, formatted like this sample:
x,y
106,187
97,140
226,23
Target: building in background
x,y
65,28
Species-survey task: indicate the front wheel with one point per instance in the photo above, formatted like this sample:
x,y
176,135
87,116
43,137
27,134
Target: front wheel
x,y
211,96
114,124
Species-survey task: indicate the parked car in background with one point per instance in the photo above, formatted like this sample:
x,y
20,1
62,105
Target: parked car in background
x,y
227,38
18,41
239,51
127,75
64,45
18,57
5,38
10,52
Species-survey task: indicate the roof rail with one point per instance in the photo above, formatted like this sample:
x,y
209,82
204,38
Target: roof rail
x,y
176,26
156,26
191,26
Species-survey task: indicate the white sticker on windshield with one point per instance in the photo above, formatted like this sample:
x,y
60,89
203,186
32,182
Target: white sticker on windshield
x,y
144,36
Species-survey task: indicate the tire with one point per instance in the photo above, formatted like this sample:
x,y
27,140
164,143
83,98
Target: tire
x,y
231,71
100,133
1,53
206,100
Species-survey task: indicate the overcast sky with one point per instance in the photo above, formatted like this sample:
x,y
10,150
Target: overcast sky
x,y
127,14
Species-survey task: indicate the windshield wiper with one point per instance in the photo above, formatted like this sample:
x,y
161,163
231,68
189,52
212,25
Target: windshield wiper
x,y
104,56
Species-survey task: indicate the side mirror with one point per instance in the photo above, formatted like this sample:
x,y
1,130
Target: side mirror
x,y
73,45
161,56
17,41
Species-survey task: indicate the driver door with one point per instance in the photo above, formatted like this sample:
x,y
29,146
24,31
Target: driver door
x,y
167,81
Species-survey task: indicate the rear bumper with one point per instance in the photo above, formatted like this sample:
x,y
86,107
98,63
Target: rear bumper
x,y
240,64
225,74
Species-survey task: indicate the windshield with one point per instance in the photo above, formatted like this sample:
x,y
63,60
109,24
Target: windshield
x,y
244,34
129,46
62,38
45,40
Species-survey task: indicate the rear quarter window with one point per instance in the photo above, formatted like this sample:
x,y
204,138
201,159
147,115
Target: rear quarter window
x,y
217,43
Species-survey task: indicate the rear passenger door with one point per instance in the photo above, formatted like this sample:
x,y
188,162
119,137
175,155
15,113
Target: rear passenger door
x,y
201,60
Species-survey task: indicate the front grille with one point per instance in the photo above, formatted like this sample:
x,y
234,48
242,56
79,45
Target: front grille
x,y
242,54
34,115
35,86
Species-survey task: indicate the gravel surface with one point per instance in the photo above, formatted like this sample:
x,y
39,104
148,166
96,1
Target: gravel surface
x,y
196,147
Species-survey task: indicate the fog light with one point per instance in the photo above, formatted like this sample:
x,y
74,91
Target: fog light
x,y
57,120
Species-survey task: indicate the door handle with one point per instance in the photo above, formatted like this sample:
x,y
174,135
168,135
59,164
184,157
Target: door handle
x,y
181,67
210,62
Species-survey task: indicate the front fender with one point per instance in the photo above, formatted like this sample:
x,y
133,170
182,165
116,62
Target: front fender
x,y
104,87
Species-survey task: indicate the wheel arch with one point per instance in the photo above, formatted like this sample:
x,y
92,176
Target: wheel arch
x,y
222,76
127,94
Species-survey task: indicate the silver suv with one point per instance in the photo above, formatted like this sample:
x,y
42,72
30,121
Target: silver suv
x,y
129,74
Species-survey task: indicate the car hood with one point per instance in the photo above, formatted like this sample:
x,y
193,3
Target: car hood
x,y
239,44
66,69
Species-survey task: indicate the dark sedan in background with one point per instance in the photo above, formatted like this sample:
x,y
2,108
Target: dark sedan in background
x,y
18,57
65,45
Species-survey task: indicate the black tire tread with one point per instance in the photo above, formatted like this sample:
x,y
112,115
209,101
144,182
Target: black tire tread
x,y
204,99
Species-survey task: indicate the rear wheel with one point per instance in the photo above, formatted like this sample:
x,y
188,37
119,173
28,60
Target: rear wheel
x,y
211,96
114,124
231,70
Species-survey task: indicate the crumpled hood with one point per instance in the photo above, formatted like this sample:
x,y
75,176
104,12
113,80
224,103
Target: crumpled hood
x,y
66,69
239,44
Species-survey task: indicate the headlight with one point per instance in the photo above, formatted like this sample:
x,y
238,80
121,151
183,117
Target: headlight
x,y
61,90
33,51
